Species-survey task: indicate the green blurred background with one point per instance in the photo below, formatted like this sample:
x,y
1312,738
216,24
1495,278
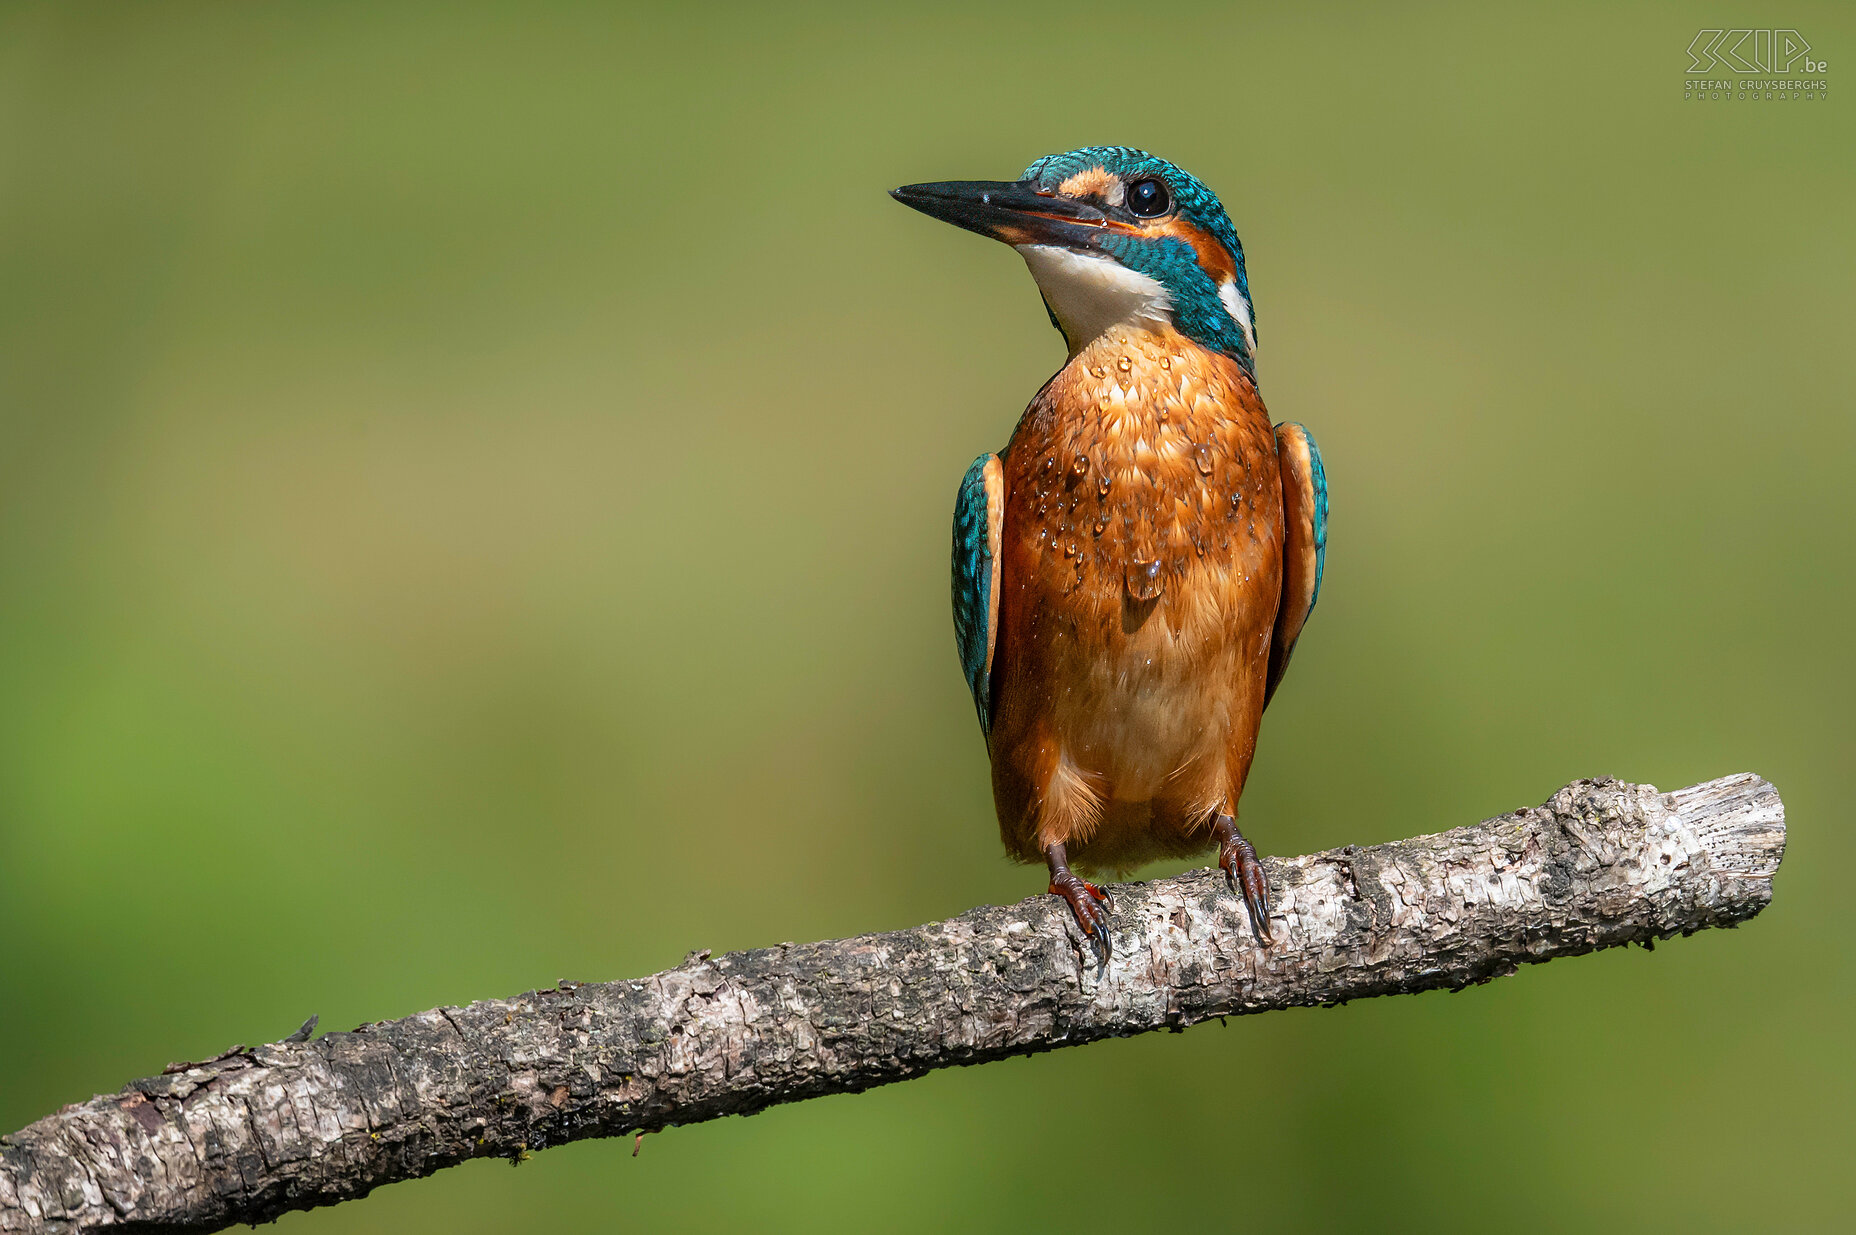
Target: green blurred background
x,y
474,489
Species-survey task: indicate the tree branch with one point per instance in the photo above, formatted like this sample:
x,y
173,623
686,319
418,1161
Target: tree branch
x,y
292,1125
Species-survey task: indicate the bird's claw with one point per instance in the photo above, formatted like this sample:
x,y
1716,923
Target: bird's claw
x,y
1086,901
1238,859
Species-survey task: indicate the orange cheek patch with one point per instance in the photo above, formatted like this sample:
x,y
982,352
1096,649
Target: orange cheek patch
x,y
1213,257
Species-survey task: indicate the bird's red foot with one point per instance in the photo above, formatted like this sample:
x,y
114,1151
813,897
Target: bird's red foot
x,y
1084,898
1238,859
1086,901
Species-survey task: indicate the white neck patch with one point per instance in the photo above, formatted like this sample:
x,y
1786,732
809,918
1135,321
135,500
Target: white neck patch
x,y
1090,294
1239,309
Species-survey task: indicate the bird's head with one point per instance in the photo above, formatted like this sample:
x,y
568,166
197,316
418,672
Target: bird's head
x,y
1114,236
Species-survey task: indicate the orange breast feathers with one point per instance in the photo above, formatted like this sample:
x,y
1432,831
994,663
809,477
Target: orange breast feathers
x,y
1141,558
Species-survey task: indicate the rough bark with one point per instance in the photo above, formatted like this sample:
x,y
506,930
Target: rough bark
x,y
296,1124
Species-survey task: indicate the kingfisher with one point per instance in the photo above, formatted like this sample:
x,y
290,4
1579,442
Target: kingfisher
x,y
1131,573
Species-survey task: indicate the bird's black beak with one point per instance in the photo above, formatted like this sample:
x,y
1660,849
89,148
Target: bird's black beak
x,y
1015,211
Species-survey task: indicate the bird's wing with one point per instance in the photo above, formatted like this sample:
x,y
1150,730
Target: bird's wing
x,y
1304,543
979,513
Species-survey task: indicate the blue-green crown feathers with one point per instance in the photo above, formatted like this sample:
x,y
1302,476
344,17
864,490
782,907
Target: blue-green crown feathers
x,y
1198,310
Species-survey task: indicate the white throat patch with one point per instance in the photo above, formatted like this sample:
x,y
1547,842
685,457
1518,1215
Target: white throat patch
x,y
1090,294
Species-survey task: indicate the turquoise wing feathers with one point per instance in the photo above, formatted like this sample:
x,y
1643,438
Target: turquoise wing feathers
x,y
1304,543
979,513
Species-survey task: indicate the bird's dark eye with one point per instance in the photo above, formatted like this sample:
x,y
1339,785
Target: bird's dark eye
x,y
1148,199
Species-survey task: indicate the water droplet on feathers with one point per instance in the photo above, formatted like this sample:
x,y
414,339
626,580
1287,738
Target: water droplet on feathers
x,y
1202,456
1143,580
1080,465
